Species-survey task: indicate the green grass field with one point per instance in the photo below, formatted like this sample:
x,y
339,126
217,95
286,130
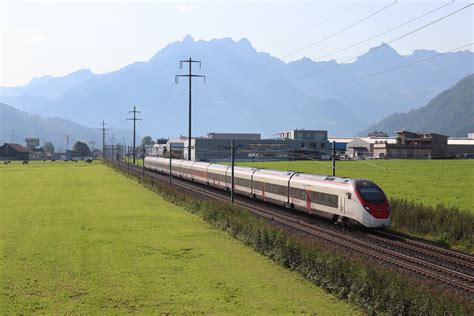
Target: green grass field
x,y
77,238
450,182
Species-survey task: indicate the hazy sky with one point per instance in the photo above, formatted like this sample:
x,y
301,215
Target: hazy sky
x,y
56,38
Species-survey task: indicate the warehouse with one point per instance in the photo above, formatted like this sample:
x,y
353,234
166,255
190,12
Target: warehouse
x,y
250,146
461,147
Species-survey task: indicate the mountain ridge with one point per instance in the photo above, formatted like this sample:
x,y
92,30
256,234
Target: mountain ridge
x,y
51,129
247,83
450,113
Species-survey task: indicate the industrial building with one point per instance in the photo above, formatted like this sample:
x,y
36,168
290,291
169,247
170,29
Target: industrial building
x,y
413,145
297,144
364,146
461,147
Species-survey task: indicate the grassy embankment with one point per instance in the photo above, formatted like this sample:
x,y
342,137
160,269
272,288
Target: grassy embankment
x,y
77,238
432,199
349,277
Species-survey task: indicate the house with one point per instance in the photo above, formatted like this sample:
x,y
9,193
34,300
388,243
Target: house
x,y
413,145
10,151
37,154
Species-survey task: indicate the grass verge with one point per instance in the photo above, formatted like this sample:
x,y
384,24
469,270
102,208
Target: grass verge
x,y
374,289
445,225
83,239
431,199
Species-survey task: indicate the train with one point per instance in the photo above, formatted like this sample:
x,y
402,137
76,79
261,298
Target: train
x,y
345,201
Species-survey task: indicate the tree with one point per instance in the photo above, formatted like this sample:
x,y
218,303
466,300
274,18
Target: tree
x,y
92,145
82,149
32,143
48,147
147,140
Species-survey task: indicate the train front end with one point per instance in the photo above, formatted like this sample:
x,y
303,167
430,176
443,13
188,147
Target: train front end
x,y
374,208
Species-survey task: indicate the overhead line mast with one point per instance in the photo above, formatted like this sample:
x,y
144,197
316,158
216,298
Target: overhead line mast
x,y
190,75
103,129
134,119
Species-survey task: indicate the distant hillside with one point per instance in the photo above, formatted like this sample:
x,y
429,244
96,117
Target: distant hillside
x,y
450,113
16,125
245,90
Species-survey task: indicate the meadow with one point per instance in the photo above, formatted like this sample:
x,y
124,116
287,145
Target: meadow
x,y
431,182
79,238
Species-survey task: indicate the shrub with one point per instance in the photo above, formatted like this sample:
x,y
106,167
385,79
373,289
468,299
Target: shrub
x,y
370,287
449,226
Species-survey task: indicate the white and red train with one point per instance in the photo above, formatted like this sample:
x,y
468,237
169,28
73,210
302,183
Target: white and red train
x,y
344,200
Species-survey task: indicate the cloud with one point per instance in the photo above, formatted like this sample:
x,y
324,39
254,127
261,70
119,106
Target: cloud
x,y
186,8
38,36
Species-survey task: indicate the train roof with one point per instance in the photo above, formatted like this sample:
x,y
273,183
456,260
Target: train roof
x,y
329,179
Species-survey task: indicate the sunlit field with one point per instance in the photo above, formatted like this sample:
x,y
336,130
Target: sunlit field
x,y
79,238
450,182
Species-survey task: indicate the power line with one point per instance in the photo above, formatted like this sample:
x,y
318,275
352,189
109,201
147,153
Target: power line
x,y
393,69
190,75
373,49
339,13
134,119
340,31
385,32
103,129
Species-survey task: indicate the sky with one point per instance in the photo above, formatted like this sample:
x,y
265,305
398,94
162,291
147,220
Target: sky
x,y
40,38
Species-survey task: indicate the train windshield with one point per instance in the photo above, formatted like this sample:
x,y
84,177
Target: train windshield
x,y
370,192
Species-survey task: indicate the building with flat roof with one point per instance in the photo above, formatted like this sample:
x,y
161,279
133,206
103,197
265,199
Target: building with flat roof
x,y
460,147
229,136
250,146
413,145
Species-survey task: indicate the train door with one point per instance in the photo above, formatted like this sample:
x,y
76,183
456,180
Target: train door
x,y
342,206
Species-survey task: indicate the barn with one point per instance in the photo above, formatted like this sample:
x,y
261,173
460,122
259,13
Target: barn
x,y
11,151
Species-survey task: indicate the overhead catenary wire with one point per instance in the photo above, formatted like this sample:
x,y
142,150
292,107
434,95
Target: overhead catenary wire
x,y
386,31
341,30
373,49
392,69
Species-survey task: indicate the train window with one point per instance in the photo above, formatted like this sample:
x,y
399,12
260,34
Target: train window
x,y
298,193
372,195
370,192
258,185
324,199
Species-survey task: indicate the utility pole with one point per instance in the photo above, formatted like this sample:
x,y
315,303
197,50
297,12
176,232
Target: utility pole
x,y
134,119
67,136
190,75
143,156
113,144
12,135
103,138
334,158
232,158
170,162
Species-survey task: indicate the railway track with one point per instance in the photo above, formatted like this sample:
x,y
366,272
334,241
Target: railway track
x,y
448,267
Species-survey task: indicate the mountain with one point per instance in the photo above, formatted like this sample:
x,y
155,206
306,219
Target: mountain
x,y
248,90
450,113
16,125
48,86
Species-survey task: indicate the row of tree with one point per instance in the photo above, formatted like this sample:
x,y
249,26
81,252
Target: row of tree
x,y
80,147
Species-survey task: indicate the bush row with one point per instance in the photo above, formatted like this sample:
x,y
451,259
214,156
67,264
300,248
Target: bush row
x,y
449,226
374,289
